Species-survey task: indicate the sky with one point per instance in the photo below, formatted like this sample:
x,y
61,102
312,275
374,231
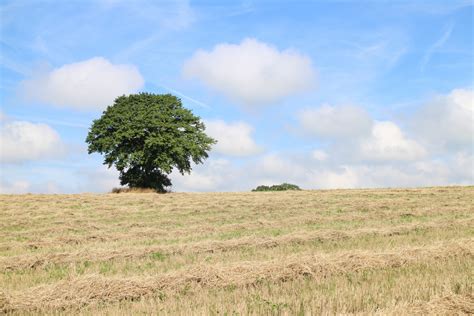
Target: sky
x,y
322,94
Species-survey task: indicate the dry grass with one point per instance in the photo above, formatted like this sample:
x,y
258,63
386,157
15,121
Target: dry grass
x,y
305,252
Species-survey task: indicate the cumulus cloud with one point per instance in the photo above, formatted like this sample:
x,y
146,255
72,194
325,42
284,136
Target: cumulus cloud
x,y
24,141
354,135
214,175
252,72
319,155
274,165
89,84
100,179
387,142
303,171
447,122
338,178
335,122
233,139
462,164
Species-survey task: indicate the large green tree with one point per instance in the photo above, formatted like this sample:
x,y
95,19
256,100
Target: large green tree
x,y
147,135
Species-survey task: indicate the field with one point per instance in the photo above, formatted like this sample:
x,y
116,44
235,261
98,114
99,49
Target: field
x,y
385,251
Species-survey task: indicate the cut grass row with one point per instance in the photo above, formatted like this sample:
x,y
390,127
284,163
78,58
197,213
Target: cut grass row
x,y
323,241
94,289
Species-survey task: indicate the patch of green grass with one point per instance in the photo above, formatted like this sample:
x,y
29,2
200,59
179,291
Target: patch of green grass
x,y
106,267
158,256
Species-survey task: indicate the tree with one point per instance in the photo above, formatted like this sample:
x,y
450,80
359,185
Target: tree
x,y
147,135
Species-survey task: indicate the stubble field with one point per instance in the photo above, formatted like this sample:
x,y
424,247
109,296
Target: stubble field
x,y
385,251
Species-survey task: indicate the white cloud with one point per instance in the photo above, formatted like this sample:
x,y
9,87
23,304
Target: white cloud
x,y
343,177
89,84
272,165
304,172
233,139
252,72
319,155
22,141
462,165
335,122
100,179
387,142
72,176
447,122
214,175
356,136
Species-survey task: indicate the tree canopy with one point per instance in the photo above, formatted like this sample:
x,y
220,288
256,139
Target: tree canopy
x,y
147,135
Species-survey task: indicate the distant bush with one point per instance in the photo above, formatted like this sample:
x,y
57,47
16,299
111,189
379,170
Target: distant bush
x,y
277,187
133,190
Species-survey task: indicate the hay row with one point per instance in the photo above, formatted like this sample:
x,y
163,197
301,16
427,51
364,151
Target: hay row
x,y
16,263
66,231
94,289
451,304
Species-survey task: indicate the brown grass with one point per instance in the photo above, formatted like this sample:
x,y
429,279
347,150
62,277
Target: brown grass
x,y
95,289
451,304
31,261
307,252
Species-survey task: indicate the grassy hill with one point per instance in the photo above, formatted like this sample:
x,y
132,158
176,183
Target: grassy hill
x,y
392,251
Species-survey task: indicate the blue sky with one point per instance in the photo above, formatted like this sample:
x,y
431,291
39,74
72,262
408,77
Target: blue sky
x,y
324,94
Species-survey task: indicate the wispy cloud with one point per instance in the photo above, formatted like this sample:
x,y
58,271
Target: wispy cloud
x,y
432,7
82,125
14,67
433,48
197,102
